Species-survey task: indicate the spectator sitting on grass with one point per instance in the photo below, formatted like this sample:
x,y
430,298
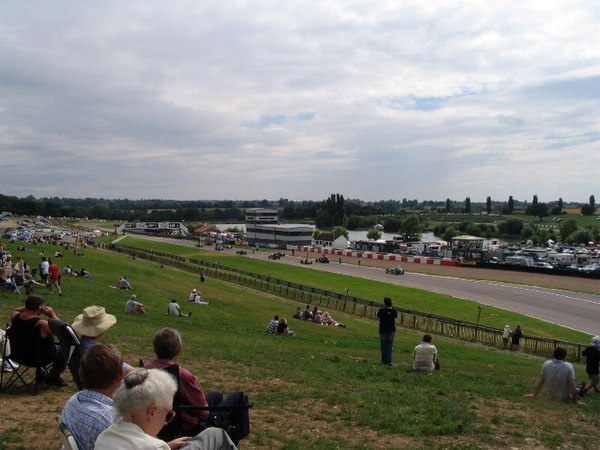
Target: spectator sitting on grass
x,y
298,313
559,378
272,326
134,307
328,320
306,314
123,283
175,310
196,297
316,316
282,328
425,355
85,274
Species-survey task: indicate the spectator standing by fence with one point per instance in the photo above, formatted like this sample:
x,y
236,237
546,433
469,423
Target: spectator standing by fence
x,y
516,338
387,330
505,335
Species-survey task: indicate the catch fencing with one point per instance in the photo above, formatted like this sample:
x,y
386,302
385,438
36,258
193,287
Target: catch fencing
x,y
428,323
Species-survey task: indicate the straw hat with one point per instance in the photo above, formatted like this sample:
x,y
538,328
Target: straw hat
x,y
93,322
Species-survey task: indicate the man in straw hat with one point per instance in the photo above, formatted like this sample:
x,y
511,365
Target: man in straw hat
x,y
91,325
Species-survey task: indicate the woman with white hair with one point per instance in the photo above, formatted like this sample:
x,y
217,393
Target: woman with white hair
x,y
143,403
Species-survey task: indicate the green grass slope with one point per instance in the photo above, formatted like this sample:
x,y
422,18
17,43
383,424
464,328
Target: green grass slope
x,y
324,387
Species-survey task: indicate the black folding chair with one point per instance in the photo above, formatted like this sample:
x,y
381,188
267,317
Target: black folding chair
x,y
74,359
234,419
17,361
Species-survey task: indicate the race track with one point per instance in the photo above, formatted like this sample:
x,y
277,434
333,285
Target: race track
x,y
578,311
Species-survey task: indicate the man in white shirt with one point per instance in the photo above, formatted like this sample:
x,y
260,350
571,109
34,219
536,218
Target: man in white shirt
x,y
425,355
175,310
559,378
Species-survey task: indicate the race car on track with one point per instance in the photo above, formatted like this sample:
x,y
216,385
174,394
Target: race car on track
x,y
395,270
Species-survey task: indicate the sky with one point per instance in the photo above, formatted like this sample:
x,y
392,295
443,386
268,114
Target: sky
x,y
261,99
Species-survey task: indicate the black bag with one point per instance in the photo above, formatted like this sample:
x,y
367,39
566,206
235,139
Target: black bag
x,y
232,416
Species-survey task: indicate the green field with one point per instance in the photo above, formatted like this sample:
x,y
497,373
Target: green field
x,y
413,299
323,388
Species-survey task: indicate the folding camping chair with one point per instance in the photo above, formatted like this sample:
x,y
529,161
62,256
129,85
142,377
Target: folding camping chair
x,y
17,362
74,356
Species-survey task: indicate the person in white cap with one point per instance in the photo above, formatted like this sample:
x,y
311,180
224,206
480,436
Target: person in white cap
x,y
91,325
192,296
505,336
592,365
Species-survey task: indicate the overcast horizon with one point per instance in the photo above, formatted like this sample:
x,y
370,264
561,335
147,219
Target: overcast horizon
x,y
255,100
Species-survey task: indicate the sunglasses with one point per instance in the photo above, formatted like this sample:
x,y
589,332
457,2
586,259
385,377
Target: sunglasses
x,y
169,415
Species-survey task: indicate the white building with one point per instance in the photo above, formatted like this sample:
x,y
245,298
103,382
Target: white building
x,y
263,229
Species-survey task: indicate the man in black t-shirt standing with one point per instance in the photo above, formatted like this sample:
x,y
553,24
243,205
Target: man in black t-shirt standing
x,y
592,365
387,330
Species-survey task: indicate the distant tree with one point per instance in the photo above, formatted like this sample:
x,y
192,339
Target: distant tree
x,y
468,205
450,233
567,228
448,205
354,222
528,232
537,209
340,231
410,227
580,237
392,224
488,205
589,209
558,208
332,210
512,227
511,205
374,234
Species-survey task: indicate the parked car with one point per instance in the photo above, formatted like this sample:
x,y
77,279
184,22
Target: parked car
x,y
306,261
395,270
241,251
323,259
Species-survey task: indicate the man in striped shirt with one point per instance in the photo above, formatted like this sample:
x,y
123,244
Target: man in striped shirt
x,y
425,355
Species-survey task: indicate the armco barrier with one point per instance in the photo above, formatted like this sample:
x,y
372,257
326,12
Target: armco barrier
x,y
429,323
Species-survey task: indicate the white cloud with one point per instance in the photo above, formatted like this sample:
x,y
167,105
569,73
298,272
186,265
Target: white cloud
x,y
270,99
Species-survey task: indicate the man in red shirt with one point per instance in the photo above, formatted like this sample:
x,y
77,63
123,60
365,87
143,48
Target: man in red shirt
x,y
53,277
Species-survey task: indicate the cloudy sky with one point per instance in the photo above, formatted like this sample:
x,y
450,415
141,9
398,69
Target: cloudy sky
x,y
257,99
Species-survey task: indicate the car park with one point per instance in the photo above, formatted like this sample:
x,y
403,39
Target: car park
x,y
395,270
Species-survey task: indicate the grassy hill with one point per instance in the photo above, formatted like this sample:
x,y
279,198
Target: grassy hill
x,y
323,388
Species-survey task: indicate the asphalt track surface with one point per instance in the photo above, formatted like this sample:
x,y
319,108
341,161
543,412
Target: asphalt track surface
x,y
578,311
